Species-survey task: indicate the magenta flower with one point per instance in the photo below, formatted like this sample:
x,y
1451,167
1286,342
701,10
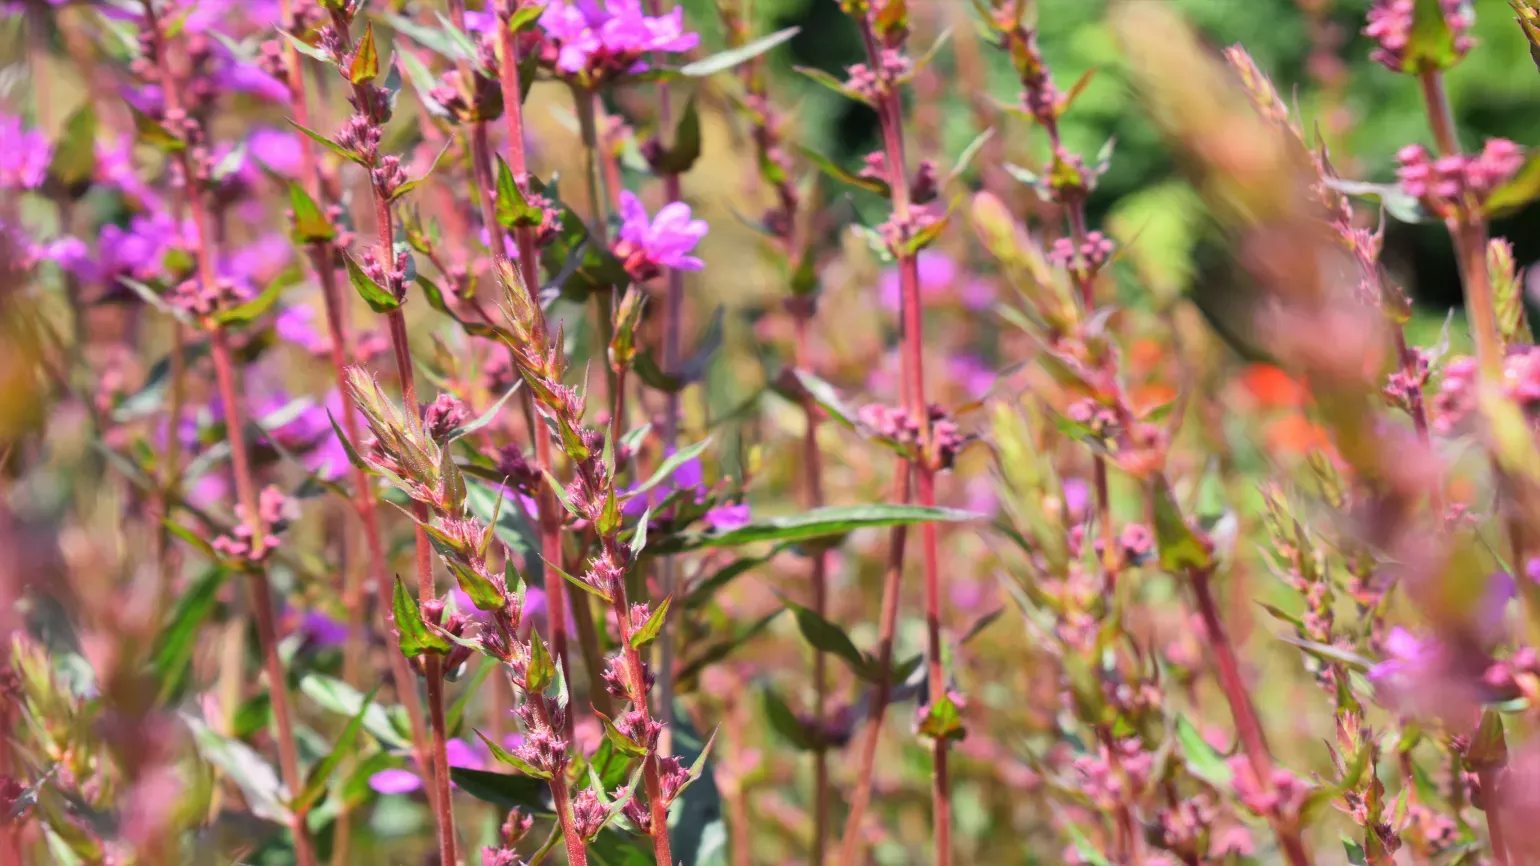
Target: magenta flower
x,y
24,155
276,149
598,41
730,516
646,246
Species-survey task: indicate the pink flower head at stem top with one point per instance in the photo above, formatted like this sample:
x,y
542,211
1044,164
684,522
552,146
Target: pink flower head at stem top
x,y
595,41
646,247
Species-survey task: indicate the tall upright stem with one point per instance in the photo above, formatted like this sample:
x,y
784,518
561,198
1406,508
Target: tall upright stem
x,y
890,117
442,803
812,474
341,356
524,238
1247,726
224,367
673,313
261,591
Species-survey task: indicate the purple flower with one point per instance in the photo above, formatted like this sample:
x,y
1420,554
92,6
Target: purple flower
x,y
664,242
1406,656
937,274
402,781
73,256
139,249
24,155
609,39
395,781
322,630
971,374
115,167
276,149
730,516
296,325
686,476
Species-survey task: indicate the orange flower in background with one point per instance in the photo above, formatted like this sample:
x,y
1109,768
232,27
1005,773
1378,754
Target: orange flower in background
x,y
1296,434
1272,388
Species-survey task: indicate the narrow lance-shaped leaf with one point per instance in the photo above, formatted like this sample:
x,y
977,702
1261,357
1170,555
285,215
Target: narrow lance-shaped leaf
x,y
512,760
243,313
824,635
310,222
375,295
315,784
366,59
654,624
734,56
327,143
416,637
1180,548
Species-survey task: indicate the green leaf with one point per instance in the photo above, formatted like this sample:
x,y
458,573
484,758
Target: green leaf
x,y
654,624
1520,190
366,59
686,146
786,723
670,464
151,297
336,696
832,169
965,158
256,778
639,535
1395,200
243,313
150,131
1203,760
310,222
828,637
375,295
823,522
347,445
726,60
322,140
198,542
410,185
833,83
525,17
1329,653
513,760
1432,44
483,593
704,590
542,669
580,583
306,48
927,235
622,743
416,637
74,154
347,742
174,643
943,720
513,210
1180,549
503,790
721,649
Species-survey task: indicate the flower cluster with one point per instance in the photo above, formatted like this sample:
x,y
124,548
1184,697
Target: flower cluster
x,y
256,536
1457,182
594,41
1390,25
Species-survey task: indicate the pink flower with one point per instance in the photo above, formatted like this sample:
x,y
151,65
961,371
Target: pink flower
x,y
610,39
664,242
275,149
724,518
24,155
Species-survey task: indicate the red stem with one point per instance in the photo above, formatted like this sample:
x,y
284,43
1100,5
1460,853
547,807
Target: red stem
x,y
1247,726
524,237
890,116
861,793
341,356
812,474
235,429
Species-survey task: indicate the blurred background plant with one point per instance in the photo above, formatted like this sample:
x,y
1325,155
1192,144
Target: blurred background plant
x,y
1125,426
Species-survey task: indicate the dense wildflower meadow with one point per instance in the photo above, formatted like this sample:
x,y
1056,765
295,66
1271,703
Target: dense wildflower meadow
x,y
509,432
